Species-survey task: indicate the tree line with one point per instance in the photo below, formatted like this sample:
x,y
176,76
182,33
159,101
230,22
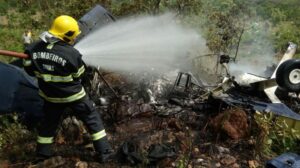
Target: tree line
x,y
223,23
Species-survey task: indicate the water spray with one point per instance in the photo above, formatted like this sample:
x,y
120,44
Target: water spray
x,y
146,43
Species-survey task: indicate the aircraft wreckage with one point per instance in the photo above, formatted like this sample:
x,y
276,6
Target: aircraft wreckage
x,y
139,116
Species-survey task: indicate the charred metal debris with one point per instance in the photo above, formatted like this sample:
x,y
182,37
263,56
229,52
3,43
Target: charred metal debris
x,y
169,122
161,122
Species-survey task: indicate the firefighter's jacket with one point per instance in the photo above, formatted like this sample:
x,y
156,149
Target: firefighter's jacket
x,y
58,67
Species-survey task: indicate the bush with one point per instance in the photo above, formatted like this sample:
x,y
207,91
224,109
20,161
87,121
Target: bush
x,y
275,136
285,32
15,141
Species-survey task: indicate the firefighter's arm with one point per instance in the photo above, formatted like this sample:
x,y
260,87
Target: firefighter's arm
x,y
28,66
80,68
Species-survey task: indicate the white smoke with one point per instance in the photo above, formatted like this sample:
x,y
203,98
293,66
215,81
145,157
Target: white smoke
x,y
256,51
155,43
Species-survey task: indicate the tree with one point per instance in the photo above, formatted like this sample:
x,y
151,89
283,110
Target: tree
x,y
225,22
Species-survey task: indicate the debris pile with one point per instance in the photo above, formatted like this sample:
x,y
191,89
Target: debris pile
x,y
159,123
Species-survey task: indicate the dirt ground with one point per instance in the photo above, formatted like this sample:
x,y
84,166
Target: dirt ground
x,y
173,131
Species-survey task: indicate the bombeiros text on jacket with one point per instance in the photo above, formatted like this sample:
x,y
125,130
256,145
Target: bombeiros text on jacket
x,y
49,56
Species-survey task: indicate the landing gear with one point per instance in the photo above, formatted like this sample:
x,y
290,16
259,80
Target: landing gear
x,y
288,75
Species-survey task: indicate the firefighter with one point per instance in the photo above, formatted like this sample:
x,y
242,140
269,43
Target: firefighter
x,y
58,67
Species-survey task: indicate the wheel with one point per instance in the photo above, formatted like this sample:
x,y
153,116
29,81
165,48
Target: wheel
x,y
279,72
288,75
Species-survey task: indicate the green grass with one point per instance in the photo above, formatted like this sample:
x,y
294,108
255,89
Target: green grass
x,y
11,39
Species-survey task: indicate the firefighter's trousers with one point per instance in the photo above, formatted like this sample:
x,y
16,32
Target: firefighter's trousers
x,y
85,111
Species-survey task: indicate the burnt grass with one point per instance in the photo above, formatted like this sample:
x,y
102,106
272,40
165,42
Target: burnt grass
x,y
177,130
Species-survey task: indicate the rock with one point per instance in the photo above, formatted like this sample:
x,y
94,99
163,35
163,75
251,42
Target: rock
x,y
251,141
222,149
81,164
218,164
71,131
177,109
235,165
145,108
52,162
131,110
233,122
253,164
199,160
228,160
195,152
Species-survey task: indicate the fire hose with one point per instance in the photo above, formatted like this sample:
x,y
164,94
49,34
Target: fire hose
x,y
13,54
22,55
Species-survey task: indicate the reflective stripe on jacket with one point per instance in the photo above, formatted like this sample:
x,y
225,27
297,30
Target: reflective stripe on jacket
x,y
58,67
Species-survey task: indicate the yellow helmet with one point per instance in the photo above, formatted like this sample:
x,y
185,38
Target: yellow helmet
x,y
65,28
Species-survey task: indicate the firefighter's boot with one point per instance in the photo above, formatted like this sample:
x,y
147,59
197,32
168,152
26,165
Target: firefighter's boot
x,y
104,151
